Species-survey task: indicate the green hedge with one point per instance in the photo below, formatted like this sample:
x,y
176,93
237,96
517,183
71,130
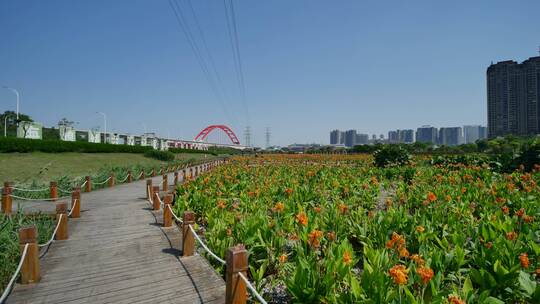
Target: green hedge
x,y
160,155
192,151
22,145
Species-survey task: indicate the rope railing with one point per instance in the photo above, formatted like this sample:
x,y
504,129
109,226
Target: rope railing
x,y
251,288
75,202
38,199
54,232
125,179
174,215
64,190
84,184
30,190
103,182
141,174
203,245
15,275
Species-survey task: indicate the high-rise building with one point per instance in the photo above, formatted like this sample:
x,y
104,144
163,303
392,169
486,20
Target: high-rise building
x,y
473,133
426,134
513,92
350,138
406,136
451,136
393,137
337,137
361,139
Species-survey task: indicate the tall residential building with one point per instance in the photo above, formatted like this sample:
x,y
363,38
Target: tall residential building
x,y
362,139
337,137
350,138
406,136
513,92
426,134
452,136
393,137
473,133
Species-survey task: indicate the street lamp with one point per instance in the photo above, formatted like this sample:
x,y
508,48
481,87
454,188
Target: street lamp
x,y
5,125
17,94
105,125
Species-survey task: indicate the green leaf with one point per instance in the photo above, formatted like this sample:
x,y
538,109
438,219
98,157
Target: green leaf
x,y
526,283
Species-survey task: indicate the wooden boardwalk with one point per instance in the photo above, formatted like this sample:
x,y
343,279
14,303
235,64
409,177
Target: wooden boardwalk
x,y
118,252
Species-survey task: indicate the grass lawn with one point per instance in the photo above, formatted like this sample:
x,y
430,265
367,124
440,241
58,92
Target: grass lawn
x,y
26,167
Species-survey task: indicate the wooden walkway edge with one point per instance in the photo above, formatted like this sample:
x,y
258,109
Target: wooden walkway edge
x,y
118,252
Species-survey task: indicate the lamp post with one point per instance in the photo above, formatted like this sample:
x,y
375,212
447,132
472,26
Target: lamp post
x,y
105,126
16,94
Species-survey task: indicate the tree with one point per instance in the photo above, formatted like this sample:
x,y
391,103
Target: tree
x,y
64,122
10,118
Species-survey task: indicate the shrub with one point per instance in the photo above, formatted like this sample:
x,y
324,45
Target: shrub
x,y
160,155
23,145
391,155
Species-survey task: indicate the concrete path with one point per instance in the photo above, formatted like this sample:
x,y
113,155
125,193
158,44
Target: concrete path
x,y
117,252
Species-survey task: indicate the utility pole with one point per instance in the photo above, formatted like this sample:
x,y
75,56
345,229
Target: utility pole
x,y
247,136
267,136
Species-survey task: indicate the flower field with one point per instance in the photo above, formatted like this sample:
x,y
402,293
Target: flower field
x,y
327,229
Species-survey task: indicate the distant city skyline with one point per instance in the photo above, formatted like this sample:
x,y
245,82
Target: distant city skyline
x,y
308,66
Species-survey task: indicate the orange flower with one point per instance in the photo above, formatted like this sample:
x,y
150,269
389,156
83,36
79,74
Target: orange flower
x,y
505,210
317,209
420,229
528,219
452,299
347,257
403,252
343,208
302,219
293,237
279,207
511,235
524,260
520,212
431,197
221,204
331,235
417,259
229,231
399,274
314,238
283,258
425,273
289,191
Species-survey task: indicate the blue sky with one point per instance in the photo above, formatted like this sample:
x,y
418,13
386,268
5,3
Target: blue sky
x,y
309,66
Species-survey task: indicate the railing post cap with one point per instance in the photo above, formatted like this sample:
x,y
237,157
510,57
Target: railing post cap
x,y
189,216
27,234
149,182
168,199
61,208
237,259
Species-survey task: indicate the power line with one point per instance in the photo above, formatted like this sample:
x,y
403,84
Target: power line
x,y
184,26
235,45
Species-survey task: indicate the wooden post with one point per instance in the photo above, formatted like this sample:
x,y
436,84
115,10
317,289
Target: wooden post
x,y
53,189
188,240
190,172
155,198
184,171
88,184
142,175
167,214
196,171
76,203
30,266
154,172
165,182
7,201
235,287
62,232
149,189
130,177
175,178
111,180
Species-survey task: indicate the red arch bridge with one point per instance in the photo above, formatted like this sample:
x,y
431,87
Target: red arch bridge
x,y
199,141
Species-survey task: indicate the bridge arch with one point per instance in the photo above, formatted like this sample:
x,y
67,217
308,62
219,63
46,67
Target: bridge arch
x,y
204,133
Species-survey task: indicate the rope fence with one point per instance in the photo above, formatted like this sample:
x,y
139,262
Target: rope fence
x,y
15,275
203,245
103,182
38,199
251,288
53,234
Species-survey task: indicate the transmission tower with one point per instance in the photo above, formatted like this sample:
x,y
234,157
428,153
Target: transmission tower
x,y
267,136
247,136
